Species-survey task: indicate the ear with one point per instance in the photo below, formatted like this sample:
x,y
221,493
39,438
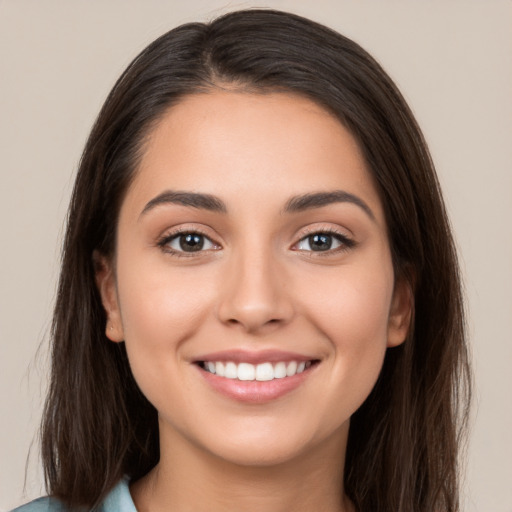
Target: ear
x,y
401,312
106,283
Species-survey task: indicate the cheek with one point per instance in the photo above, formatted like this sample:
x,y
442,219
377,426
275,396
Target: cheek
x,y
351,310
162,302
160,310
352,304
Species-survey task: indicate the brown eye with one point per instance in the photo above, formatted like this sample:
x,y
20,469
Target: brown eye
x,y
191,242
324,241
320,242
187,242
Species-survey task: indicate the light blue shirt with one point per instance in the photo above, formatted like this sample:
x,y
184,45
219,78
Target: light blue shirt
x,y
117,500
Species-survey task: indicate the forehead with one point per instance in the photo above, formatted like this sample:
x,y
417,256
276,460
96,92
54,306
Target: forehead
x,y
238,144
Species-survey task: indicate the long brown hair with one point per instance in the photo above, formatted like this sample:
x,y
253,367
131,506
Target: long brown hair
x,y
403,443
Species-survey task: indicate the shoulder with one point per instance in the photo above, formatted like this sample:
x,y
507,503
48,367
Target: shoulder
x,y
42,505
118,500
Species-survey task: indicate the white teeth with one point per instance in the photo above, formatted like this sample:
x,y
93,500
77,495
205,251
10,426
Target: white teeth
x,y
264,371
246,371
291,369
219,369
279,370
231,371
260,372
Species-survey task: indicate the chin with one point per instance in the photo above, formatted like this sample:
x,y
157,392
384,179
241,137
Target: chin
x,y
248,455
263,444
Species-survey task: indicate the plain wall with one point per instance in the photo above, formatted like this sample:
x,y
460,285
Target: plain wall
x,y
58,60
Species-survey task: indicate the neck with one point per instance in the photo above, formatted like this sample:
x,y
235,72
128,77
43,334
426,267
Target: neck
x,y
188,478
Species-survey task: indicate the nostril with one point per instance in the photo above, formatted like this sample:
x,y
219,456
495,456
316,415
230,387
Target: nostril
x,y
234,321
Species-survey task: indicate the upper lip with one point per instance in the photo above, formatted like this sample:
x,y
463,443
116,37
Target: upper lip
x,y
255,357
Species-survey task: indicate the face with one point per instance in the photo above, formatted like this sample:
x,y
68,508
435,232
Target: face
x,y
252,281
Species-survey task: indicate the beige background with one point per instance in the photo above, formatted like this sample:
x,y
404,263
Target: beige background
x,y
58,60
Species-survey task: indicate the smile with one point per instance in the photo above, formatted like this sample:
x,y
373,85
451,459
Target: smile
x,y
255,377
255,372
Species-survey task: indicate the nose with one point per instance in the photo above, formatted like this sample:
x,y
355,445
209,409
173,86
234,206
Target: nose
x,y
254,293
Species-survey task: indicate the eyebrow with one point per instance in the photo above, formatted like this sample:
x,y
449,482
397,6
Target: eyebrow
x,y
295,204
319,199
192,199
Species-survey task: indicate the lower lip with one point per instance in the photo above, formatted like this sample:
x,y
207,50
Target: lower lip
x,y
255,391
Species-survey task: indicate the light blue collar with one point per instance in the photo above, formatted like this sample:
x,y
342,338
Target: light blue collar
x,y
119,499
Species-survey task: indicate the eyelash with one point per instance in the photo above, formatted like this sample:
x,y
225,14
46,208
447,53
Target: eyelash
x,y
164,242
346,242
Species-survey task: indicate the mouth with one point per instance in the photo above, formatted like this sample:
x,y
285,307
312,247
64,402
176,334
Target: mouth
x,y
262,372
255,378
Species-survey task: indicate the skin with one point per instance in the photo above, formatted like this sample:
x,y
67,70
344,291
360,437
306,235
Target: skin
x,y
257,285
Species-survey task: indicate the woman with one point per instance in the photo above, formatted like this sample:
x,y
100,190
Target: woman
x,y
259,305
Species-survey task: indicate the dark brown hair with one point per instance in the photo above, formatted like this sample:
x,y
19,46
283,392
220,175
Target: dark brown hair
x,y
403,441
